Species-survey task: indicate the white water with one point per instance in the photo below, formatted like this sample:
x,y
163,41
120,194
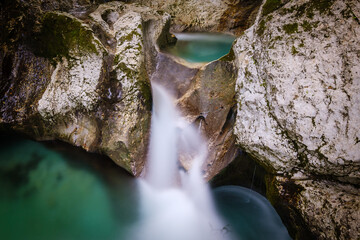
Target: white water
x,y
175,205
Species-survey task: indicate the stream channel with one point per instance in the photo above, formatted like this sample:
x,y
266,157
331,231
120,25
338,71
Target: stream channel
x,y
55,191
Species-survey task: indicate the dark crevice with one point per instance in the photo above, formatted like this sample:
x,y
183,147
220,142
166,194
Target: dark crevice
x,y
242,171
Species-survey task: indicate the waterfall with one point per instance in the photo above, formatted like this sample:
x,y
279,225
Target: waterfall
x,y
175,204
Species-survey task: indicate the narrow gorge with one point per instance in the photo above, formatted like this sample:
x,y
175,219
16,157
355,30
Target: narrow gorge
x,y
273,88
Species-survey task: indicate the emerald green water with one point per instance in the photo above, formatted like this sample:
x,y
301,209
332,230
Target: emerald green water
x,y
44,194
57,192
201,47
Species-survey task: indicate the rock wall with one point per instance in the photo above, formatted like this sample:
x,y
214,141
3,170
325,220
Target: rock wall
x,y
298,107
231,16
83,81
84,77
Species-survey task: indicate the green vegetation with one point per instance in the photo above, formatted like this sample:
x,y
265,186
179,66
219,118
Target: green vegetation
x,y
145,90
278,38
130,36
269,18
248,74
139,80
309,26
131,74
294,51
228,57
260,31
322,6
61,33
290,28
270,6
306,26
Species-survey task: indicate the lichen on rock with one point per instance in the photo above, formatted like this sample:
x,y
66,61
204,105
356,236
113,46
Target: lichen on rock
x,y
302,94
125,129
94,90
62,35
298,98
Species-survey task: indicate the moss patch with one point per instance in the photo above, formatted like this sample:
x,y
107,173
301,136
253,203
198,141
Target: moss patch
x,y
145,90
270,6
307,26
290,28
309,8
129,37
294,51
323,6
260,31
61,33
228,57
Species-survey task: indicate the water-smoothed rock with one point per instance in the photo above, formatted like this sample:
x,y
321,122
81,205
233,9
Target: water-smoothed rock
x,y
208,15
298,103
205,95
208,104
127,126
84,81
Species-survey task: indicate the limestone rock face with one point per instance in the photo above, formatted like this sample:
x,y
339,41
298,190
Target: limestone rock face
x,y
208,15
298,108
298,90
85,81
330,209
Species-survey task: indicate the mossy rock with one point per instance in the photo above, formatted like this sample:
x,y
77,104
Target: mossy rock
x,y
61,33
261,29
291,28
270,6
228,57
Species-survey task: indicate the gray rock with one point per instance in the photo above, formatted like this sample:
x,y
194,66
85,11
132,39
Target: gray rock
x,y
207,15
298,94
85,81
298,108
331,210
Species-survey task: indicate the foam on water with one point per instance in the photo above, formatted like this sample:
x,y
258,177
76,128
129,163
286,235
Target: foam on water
x,y
175,204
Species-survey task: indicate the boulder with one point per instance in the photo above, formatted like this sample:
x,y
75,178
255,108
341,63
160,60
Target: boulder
x,y
298,102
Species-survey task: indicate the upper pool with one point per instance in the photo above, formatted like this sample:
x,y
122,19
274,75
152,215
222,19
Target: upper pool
x,y
201,47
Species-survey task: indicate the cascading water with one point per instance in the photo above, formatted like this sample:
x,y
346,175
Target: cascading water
x,y
175,204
